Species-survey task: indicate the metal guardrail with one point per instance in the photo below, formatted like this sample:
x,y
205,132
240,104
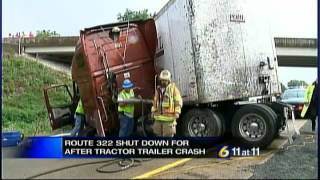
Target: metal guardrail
x,y
48,41
72,41
296,42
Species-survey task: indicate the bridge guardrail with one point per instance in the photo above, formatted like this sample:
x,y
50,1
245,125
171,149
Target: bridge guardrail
x,y
296,42
48,41
72,41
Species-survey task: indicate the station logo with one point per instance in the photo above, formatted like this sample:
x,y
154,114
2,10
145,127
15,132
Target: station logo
x,y
227,151
224,152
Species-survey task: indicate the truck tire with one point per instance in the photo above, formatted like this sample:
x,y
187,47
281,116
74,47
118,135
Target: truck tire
x,y
268,108
222,120
254,125
201,123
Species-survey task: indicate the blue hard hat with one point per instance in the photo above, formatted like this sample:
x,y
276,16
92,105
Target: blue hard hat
x,y
127,84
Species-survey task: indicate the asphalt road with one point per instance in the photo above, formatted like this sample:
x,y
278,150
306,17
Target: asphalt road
x,y
296,161
242,167
234,168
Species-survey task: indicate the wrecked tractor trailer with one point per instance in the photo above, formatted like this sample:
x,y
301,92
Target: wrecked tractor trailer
x,y
222,58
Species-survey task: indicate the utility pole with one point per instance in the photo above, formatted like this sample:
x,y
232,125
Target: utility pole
x,y
19,45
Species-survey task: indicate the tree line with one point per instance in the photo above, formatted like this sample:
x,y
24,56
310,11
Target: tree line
x,y
294,83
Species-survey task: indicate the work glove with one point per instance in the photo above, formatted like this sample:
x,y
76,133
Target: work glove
x,y
152,116
177,115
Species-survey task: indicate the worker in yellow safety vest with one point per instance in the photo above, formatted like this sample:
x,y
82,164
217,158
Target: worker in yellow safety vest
x,y
167,104
311,101
125,110
79,118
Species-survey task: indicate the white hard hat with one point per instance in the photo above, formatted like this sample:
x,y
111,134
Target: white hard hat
x,y
115,29
165,75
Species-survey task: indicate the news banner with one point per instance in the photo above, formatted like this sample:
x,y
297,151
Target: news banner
x,y
85,147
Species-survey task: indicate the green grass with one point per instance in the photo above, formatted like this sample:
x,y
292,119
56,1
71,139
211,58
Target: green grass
x,y
23,105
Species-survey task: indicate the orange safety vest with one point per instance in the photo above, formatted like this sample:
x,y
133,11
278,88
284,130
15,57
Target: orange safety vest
x,y
167,104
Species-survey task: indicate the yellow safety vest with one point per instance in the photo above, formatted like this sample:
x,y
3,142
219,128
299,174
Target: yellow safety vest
x,y
79,109
166,105
307,99
128,109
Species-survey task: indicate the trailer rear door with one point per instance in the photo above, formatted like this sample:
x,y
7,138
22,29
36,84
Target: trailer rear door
x,y
175,49
259,47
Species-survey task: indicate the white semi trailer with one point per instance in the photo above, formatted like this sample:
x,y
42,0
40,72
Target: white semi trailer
x,y
221,53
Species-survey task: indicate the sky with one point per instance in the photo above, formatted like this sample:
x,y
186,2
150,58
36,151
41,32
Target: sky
x,y
288,18
67,17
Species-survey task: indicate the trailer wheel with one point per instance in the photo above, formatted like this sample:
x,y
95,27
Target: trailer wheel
x,y
201,123
254,125
222,120
273,113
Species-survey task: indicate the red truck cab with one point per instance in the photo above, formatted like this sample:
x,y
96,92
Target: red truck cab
x,y
105,55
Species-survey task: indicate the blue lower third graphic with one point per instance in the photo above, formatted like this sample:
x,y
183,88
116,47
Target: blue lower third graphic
x,y
41,147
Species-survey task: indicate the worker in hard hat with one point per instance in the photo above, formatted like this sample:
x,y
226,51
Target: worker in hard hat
x,y
167,104
115,33
79,118
310,107
126,111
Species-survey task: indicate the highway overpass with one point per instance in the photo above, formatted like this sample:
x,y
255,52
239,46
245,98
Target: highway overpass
x,y
297,52
293,52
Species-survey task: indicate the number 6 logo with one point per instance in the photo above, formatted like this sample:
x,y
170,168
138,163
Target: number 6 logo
x,y
224,152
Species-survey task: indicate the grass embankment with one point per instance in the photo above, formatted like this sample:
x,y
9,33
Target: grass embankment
x,y
23,104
